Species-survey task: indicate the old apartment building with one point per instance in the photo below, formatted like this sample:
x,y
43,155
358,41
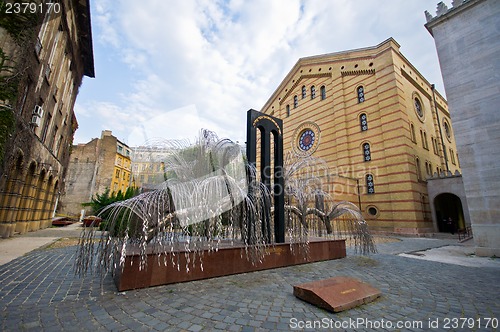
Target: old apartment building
x,y
148,165
380,126
103,163
44,56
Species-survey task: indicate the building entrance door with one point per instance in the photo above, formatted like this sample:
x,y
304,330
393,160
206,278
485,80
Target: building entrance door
x,y
449,213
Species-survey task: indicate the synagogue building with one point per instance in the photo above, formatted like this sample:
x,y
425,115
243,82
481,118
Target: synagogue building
x,y
381,127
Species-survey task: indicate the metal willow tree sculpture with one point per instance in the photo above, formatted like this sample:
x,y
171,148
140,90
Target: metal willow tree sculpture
x,y
212,198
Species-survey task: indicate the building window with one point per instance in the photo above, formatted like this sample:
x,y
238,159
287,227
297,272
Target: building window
x,y
419,169
117,175
366,152
58,144
313,92
53,140
46,125
370,186
447,129
424,140
372,211
361,94
452,157
323,92
304,91
287,111
434,146
363,122
412,133
295,101
418,107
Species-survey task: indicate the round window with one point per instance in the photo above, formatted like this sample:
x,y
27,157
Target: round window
x,y
306,140
372,211
307,137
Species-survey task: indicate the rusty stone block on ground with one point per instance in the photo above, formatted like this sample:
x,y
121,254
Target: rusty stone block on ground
x,y
336,294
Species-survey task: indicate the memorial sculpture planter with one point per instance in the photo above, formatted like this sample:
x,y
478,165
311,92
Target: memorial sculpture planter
x,y
217,214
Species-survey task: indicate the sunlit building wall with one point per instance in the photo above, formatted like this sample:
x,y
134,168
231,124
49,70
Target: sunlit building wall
x,y
43,57
380,126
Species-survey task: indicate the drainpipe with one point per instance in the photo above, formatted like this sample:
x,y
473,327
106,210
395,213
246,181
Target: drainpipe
x,y
440,130
359,194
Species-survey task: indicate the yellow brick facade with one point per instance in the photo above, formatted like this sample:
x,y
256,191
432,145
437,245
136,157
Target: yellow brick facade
x,y
122,171
399,161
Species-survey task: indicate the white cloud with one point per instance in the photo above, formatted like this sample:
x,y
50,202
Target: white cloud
x,y
224,57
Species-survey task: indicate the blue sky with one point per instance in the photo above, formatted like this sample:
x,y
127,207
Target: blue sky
x,y
166,69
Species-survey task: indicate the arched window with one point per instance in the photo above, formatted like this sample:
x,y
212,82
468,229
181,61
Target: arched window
x,y
366,152
425,143
412,133
287,111
323,92
304,91
419,169
363,122
418,107
295,101
370,185
361,94
447,129
313,92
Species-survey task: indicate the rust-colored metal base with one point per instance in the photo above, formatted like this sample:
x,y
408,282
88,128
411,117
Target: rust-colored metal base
x,y
225,261
336,294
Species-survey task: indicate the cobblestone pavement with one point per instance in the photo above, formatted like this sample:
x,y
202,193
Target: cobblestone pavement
x,y
40,292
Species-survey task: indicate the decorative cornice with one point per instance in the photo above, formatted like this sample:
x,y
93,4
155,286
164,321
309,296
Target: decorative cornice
x,y
358,72
442,11
300,79
444,175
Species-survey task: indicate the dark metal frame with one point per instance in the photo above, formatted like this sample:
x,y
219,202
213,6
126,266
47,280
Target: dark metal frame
x,y
268,125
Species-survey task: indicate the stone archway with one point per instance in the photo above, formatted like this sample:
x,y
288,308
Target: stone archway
x,y
446,206
447,199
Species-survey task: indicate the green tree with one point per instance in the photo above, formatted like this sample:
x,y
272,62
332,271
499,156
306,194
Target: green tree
x,y
100,201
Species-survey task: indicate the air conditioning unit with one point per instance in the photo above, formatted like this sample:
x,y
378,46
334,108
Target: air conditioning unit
x,y
38,111
35,120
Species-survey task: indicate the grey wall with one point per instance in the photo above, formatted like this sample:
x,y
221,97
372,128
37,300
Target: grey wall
x,y
467,39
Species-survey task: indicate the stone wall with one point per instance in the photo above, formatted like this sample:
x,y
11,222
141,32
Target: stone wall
x,y
80,178
467,39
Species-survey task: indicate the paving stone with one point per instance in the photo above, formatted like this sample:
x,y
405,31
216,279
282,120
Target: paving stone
x,y
195,328
39,291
